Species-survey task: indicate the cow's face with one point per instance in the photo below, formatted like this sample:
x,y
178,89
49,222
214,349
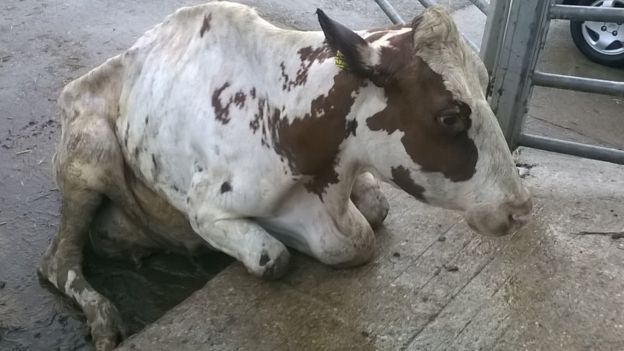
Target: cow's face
x,y
436,137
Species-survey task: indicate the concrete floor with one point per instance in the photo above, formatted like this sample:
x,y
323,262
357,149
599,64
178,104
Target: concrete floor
x,y
582,117
544,288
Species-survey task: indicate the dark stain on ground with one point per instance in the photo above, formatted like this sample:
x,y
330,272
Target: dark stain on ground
x,y
525,165
450,268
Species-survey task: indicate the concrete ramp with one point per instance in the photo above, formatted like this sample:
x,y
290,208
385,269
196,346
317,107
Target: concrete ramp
x,y
435,285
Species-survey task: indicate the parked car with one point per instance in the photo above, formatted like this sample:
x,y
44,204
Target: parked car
x,y
601,42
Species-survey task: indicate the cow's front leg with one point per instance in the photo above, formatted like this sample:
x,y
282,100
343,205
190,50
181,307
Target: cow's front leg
x,y
369,199
243,239
339,237
263,255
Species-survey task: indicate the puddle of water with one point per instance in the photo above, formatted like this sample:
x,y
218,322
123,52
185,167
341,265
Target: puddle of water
x,y
142,294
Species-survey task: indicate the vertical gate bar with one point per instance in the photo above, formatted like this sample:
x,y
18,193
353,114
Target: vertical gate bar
x,y
511,86
494,32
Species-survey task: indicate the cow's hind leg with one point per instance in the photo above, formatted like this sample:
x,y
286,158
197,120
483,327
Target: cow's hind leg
x,y
114,234
62,266
87,164
369,199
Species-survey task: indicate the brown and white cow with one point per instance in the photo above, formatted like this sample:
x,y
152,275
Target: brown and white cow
x,y
217,128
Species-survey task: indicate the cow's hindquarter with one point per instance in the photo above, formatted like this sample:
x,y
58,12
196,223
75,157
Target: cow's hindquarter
x,y
116,232
89,167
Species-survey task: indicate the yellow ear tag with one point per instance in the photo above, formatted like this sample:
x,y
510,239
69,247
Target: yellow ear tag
x,y
339,60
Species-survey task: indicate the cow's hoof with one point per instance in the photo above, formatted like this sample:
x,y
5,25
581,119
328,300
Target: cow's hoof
x,y
370,200
106,328
105,343
374,207
377,217
277,268
271,266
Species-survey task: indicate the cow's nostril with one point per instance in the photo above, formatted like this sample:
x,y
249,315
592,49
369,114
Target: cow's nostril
x,y
520,217
520,212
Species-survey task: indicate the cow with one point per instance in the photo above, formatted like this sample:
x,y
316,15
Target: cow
x,y
218,129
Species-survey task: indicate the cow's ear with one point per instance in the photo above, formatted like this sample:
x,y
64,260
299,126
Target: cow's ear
x,y
356,53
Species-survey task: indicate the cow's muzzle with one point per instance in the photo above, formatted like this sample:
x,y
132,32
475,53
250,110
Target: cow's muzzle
x,y
501,219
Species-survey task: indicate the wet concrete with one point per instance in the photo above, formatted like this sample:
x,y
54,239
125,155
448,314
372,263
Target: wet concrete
x,y
142,294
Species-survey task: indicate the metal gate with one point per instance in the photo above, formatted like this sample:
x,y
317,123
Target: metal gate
x,y
514,36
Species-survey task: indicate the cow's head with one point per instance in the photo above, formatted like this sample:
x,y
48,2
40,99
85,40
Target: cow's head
x,y
436,136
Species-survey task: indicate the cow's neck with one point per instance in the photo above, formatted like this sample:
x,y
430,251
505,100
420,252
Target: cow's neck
x,y
312,114
317,143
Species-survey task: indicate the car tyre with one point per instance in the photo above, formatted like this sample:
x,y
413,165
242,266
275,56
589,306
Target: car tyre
x,y
612,55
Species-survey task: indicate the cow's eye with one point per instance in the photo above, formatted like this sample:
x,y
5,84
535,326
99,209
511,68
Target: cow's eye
x,y
452,121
